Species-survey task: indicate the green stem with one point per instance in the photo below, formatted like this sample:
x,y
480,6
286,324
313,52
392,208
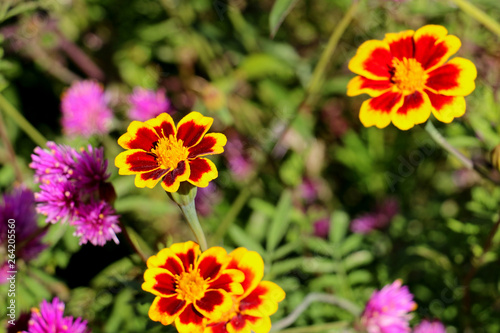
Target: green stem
x,y
479,15
10,151
133,242
25,125
189,211
326,56
316,297
433,132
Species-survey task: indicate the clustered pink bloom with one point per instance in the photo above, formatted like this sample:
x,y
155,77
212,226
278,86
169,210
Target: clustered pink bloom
x,y
388,310
378,219
84,110
427,326
239,162
73,186
322,227
19,206
49,319
147,104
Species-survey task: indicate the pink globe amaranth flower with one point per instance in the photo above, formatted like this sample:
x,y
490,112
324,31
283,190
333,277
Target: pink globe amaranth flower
x,y
84,110
426,326
54,164
387,311
90,169
147,104
20,207
58,201
49,319
96,223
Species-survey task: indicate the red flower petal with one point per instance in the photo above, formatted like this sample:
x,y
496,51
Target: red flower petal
x,y
190,321
263,300
172,179
446,108
202,172
230,281
159,282
192,127
361,85
456,78
133,161
211,300
400,44
187,252
377,111
372,60
166,310
433,46
139,136
212,143
212,261
416,109
163,124
252,266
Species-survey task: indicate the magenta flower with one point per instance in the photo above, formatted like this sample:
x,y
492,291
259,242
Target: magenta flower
x,y
427,326
49,319
78,196
238,160
19,206
387,311
378,219
90,168
96,223
84,110
207,198
147,104
54,164
322,227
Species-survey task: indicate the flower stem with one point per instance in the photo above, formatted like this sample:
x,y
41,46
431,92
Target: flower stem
x,y
338,326
479,15
10,151
469,164
189,211
25,125
316,297
231,215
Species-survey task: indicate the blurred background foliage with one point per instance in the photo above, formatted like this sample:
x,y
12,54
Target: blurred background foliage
x,y
297,152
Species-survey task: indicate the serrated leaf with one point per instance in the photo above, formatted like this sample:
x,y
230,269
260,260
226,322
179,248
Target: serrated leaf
x,y
359,277
278,14
280,222
339,222
351,243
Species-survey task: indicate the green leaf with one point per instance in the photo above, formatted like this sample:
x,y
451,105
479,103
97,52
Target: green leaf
x,y
357,259
280,10
241,238
280,222
339,223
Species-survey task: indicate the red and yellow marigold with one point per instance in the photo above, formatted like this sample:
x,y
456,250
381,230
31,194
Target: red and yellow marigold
x,y
408,77
191,288
251,310
158,150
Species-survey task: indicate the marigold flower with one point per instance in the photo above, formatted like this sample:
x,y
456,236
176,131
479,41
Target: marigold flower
x,y
84,109
251,310
408,78
147,104
191,287
157,150
387,311
49,319
427,326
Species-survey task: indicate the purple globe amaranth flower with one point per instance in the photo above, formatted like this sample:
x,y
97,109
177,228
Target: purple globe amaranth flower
x,y
426,326
365,223
96,223
71,196
84,109
309,190
239,162
54,164
49,319
20,207
90,168
147,104
207,198
387,311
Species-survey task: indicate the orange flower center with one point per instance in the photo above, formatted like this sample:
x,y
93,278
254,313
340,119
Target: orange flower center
x,y
169,152
190,286
408,75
